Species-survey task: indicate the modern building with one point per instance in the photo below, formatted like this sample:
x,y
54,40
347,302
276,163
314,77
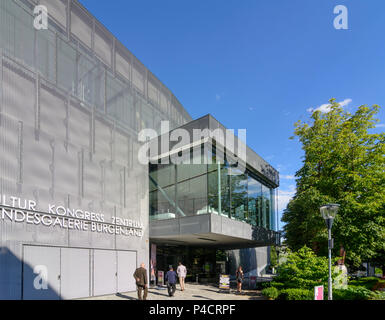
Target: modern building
x,y
78,209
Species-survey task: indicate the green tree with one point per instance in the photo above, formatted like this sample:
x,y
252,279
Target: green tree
x,y
343,163
273,257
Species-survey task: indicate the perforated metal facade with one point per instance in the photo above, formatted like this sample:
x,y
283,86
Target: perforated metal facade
x,y
73,99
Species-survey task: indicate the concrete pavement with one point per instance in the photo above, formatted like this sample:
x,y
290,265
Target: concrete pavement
x,y
192,292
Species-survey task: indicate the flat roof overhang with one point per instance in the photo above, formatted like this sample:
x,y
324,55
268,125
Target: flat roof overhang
x,y
252,161
210,230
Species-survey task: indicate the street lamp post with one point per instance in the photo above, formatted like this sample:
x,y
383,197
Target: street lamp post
x,y
329,212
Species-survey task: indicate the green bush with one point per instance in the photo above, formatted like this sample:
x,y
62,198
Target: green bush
x,y
265,284
296,294
269,284
271,293
377,295
367,282
304,270
278,285
352,293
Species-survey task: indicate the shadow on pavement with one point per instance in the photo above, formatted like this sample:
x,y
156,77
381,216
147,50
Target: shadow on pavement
x,y
212,290
125,297
201,297
158,294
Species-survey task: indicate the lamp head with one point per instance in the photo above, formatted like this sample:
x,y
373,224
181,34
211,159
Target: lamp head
x,y
329,211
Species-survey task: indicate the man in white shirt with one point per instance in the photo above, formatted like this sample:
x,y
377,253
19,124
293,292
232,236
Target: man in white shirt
x,y
182,271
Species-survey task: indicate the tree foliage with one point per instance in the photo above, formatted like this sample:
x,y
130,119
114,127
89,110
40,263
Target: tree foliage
x,y
273,256
343,163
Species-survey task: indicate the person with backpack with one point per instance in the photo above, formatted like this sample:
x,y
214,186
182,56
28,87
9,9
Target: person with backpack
x,y
171,281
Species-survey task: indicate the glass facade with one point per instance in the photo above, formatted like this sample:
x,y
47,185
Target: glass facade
x,y
216,188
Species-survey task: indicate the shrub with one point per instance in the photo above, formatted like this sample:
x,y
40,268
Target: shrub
x,y
271,293
367,282
265,284
296,294
269,284
304,270
377,295
352,293
277,285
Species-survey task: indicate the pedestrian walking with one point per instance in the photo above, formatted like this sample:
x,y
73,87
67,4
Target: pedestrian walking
x,y
182,272
140,276
239,277
171,281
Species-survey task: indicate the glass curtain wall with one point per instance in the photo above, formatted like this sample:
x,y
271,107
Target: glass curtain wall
x,y
266,207
218,186
162,192
192,189
191,183
178,190
238,194
254,201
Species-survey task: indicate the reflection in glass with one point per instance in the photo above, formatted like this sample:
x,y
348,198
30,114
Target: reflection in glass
x,y
216,188
238,189
254,194
162,204
218,191
192,195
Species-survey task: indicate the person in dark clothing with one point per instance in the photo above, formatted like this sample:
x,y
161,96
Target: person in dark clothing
x,y
239,276
171,281
140,276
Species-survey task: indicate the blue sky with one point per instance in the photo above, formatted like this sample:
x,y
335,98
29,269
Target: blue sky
x,y
257,64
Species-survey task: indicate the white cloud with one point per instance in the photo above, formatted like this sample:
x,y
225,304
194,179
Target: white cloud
x,y
287,177
345,102
381,125
284,196
325,108
218,97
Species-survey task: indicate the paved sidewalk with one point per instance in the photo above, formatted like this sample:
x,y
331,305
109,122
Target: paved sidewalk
x,y
192,292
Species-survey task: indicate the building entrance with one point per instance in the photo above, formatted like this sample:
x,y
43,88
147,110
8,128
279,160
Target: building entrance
x,y
204,265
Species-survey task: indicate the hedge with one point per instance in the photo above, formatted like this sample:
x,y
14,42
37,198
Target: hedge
x,y
271,293
367,282
377,295
352,293
278,285
296,294
269,284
